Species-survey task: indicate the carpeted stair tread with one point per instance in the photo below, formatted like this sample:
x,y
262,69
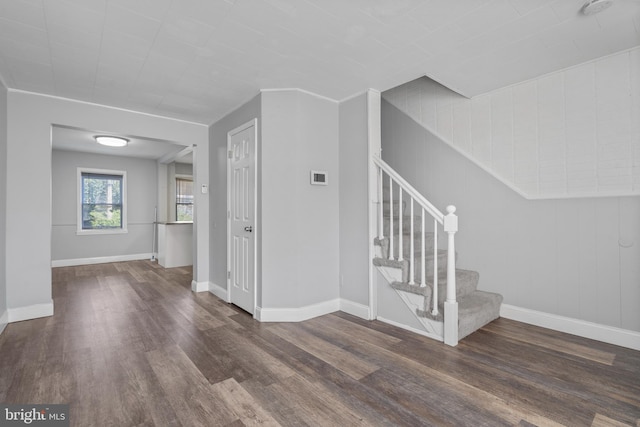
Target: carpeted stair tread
x,y
386,208
427,313
428,220
404,266
476,310
406,225
473,303
428,259
406,244
466,283
414,289
417,236
386,262
428,263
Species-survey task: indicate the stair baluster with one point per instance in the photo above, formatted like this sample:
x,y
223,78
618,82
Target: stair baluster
x,y
381,206
390,217
400,229
423,270
450,224
412,252
434,311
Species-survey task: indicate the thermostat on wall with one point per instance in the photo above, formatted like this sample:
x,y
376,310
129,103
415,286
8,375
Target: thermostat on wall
x,y
319,178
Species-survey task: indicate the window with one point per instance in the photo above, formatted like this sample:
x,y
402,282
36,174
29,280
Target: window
x,y
101,201
184,199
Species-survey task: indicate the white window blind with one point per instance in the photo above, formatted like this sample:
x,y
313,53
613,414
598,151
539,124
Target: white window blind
x,y
184,199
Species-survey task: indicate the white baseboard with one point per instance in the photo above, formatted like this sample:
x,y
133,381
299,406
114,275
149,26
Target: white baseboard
x,y
99,260
199,286
356,309
297,314
219,291
4,319
410,329
581,328
30,312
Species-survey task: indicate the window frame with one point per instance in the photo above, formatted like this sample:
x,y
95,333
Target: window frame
x,y
184,178
79,202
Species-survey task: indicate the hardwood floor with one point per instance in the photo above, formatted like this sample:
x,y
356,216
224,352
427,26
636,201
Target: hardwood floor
x,y
130,344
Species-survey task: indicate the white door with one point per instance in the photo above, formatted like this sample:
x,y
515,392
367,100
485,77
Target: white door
x,y
242,202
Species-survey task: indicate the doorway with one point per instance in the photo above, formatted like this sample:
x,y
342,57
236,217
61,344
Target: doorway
x,y
241,199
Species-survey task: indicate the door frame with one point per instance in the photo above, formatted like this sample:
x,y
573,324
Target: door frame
x,y
374,148
254,123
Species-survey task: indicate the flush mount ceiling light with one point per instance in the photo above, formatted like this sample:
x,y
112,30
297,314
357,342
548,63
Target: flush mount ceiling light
x,y
111,141
595,6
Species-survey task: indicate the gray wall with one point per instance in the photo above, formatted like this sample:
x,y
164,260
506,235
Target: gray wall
x,y
300,222
354,170
218,187
570,257
3,205
141,200
184,169
297,225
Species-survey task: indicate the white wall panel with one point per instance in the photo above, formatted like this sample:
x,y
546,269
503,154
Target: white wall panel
x,y
525,133
480,129
551,135
502,133
428,104
581,129
444,117
572,133
462,131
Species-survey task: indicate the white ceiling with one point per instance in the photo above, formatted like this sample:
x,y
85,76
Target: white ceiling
x,y
198,59
72,139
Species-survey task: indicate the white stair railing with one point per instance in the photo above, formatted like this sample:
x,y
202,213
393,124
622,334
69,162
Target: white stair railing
x,y
449,222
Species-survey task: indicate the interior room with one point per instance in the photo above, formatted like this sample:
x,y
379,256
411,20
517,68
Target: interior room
x,y
320,212
154,172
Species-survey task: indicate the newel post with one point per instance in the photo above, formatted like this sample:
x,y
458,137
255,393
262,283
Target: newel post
x,y
450,304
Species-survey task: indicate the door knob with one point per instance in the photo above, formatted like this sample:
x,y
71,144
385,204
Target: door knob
x,y
248,228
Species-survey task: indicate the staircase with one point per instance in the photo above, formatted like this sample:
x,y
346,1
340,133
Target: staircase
x,y
406,247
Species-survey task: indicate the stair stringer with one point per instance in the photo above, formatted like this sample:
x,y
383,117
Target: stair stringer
x,y
433,329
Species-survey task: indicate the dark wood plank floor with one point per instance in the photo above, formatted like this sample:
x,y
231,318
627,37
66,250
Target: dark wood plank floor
x,y
130,345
